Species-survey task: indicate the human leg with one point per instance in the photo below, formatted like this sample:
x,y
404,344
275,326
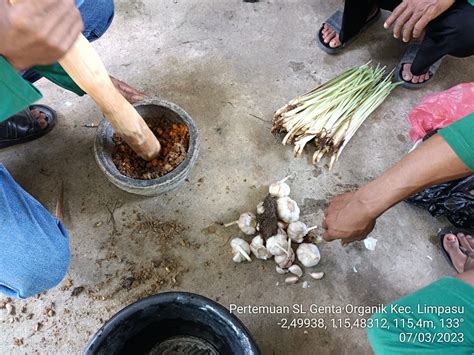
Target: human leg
x,y
34,247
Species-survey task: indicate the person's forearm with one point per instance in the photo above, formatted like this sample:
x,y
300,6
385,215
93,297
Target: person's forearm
x,y
431,163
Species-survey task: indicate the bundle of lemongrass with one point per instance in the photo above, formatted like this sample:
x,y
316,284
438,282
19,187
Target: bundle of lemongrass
x,y
331,113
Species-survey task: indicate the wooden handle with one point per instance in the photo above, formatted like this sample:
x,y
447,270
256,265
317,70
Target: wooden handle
x,y
85,67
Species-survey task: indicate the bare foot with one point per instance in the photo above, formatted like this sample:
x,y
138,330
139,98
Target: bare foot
x,y
458,247
40,117
330,36
415,79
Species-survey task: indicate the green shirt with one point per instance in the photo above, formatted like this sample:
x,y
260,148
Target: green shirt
x,y
16,93
460,137
425,321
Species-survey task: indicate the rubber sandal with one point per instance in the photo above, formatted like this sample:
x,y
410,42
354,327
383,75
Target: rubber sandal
x,y
335,22
22,127
453,230
408,58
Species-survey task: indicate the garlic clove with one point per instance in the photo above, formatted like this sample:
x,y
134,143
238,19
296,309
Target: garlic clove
x,y
282,225
240,250
285,260
258,249
260,208
288,210
317,275
276,245
308,254
281,270
295,269
290,280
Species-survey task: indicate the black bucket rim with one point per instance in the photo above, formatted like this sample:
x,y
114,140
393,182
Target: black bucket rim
x,y
166,297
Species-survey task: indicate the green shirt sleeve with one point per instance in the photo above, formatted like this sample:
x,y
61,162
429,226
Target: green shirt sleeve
x,y
15,93
56,74
460,137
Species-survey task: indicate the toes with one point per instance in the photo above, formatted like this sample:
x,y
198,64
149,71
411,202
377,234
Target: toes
x,y
451,245
470,240
406,73
330,37
464,242
335,42
415,79
40,117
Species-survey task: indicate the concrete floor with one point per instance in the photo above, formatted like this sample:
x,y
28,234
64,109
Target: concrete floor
x,y
225,62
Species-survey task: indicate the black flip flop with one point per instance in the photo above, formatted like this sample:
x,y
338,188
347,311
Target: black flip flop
x,y
335,22
452,230
22,127
408,58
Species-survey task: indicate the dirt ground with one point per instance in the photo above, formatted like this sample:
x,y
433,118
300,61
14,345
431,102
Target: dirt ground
x,y
229,64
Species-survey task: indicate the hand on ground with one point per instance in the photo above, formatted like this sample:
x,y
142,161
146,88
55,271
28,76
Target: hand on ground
x,y
348,219
411,17
37,31
132,95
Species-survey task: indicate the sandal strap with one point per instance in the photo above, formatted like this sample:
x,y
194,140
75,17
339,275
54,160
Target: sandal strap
x,y
410,54
335,21
19,125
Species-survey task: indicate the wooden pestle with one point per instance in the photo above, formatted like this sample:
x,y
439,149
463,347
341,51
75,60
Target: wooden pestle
x,y
85,67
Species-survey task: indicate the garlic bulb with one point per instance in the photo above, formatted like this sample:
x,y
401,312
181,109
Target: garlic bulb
x,y
240,249
277,244
288,210
258,249
280,188
247,223
297,231
260,208
308,254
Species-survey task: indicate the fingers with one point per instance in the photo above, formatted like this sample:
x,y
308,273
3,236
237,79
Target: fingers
x,y
409,25
421,24
395,14
400,22
65,33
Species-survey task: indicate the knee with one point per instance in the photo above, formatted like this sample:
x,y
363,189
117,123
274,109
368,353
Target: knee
x,y
97,16
34,272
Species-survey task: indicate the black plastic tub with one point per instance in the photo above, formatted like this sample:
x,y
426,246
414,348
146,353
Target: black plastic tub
x,y
173,323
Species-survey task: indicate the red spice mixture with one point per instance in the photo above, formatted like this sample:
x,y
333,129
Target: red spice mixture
x,y
174,140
